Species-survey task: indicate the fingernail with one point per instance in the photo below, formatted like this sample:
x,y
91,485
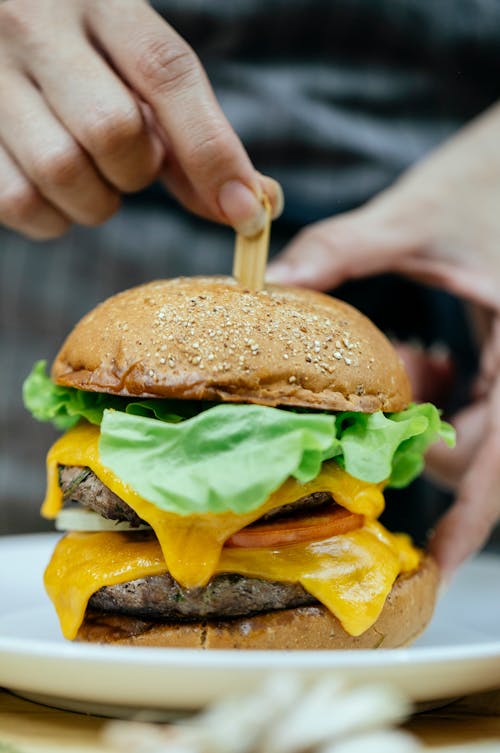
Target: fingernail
x,y
273,189
242,208
301,273
279,200
443,586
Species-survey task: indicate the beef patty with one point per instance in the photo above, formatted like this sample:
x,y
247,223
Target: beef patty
x,y
82,485
160,596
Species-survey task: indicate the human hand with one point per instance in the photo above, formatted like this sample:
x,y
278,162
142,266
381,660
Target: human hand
x,y
440,223
100,97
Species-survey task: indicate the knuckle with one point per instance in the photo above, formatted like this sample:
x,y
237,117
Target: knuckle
x,y
60,166
102,212
166,66
208,151
56,229
14,20
20,28
137,181
114,131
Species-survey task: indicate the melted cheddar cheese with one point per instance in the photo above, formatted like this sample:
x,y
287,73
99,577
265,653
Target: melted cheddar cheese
x,y
351,574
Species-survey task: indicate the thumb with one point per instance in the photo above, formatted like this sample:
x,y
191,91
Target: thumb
x,y
365,241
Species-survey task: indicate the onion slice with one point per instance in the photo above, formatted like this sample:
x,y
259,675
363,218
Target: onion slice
x,y
74,519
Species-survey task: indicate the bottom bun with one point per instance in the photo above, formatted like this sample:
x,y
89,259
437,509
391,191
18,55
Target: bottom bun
x,y
407,611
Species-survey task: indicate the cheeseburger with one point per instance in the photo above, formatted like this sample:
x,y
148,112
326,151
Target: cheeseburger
x,y
223,469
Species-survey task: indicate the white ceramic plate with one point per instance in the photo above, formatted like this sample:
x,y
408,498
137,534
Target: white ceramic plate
x,y
459,653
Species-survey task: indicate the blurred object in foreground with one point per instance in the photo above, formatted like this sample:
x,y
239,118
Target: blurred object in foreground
x,y
287,716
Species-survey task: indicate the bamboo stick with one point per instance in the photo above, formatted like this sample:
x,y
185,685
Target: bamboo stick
x,y
250,254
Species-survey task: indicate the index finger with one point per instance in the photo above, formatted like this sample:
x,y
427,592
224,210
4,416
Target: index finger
x,y
167,74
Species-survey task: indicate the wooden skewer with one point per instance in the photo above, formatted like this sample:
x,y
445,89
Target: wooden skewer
x,y
250,254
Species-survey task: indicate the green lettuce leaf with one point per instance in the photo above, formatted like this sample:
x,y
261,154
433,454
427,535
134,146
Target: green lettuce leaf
x,y
408,460
188,456
231,457
65,406
222,459
48,402
376,447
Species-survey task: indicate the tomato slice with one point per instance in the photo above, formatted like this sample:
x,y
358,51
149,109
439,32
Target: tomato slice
x,y
317,525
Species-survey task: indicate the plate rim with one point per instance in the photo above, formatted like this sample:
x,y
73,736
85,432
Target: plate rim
x,y
410,667
243,659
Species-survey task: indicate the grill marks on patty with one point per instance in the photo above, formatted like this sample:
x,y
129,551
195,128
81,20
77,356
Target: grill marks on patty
x,y
160,597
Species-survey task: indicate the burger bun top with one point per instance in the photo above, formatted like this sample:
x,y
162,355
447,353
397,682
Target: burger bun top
x,y
208,338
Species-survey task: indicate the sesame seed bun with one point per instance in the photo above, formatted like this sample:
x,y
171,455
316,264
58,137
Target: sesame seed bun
x,y
208,338
406,612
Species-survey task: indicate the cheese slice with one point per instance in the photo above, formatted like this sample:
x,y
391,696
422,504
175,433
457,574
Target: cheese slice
x,y
351,574
192,544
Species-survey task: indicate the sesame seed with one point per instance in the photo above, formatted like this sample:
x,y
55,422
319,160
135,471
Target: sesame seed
x,y
337,355
292,379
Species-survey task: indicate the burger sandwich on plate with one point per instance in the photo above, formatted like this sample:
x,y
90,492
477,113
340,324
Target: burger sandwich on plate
x,y
223,469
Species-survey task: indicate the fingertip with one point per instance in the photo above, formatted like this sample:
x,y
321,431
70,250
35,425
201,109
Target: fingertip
x,y
303,266
281,273
242,208
278,273
274,192
443,587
